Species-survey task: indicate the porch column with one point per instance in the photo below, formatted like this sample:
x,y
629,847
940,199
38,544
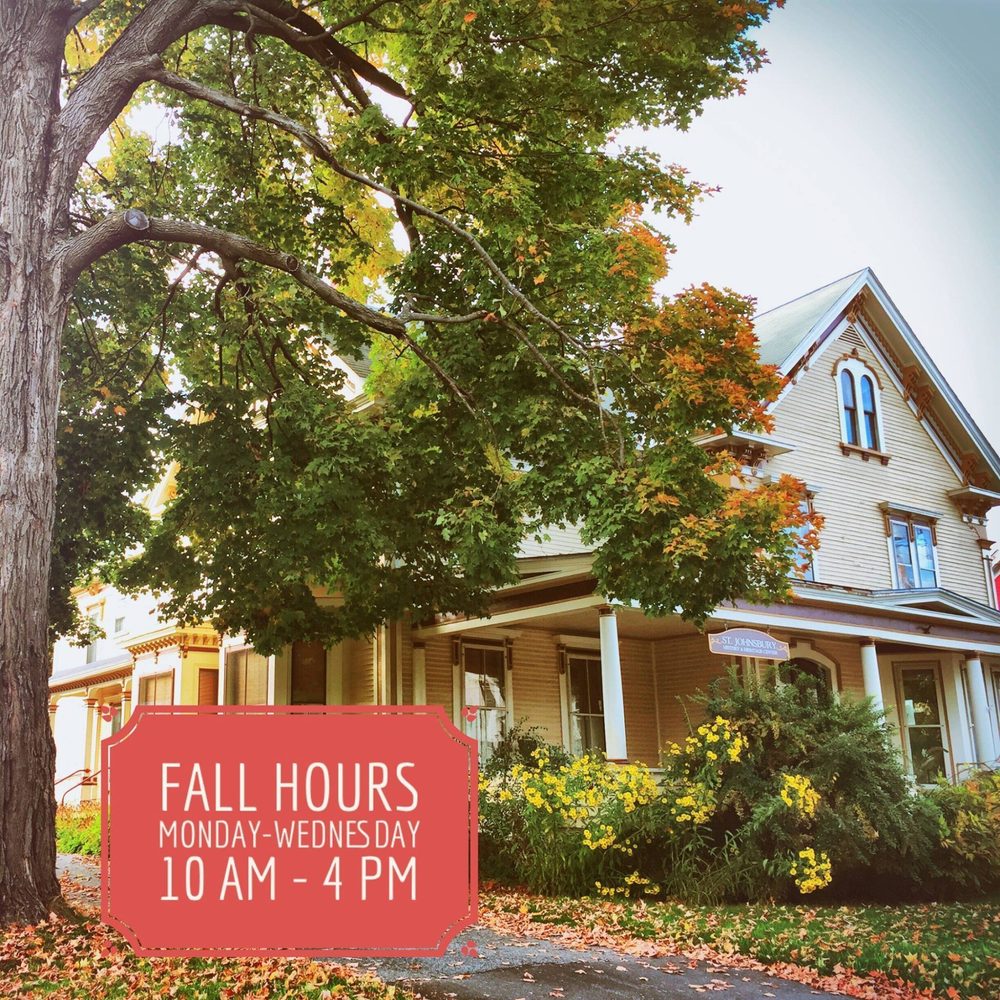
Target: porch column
x,y
91,751
869,671
611,683
419,674
980,709
88,738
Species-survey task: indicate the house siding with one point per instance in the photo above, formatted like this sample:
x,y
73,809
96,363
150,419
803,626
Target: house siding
x,y
853,548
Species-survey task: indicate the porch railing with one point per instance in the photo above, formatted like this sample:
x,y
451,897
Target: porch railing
x,y
85,782
72,774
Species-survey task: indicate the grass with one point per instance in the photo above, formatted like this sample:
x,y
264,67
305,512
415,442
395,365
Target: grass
x,y
78,829
949,949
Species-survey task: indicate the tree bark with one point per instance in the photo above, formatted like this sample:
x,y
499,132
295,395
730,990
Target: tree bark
x,y
33,216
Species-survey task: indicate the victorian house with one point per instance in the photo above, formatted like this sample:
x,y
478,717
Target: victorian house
x,y
898,605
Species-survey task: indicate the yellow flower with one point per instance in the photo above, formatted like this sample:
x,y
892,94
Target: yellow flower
x,y
799,794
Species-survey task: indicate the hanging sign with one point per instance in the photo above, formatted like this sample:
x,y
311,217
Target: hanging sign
x,y
289,830
748,642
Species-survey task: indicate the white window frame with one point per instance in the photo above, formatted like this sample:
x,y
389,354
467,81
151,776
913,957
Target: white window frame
x,y
580,653
567,645
458,680
899,668
858,368
910,524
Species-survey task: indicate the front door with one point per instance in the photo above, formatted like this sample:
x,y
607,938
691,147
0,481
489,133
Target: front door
x,y
922,721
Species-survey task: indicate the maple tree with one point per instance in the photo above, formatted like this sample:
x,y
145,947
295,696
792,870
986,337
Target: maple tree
x,y
436,184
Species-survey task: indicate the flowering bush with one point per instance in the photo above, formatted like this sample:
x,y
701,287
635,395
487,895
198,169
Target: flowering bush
x,y
811,872
967,857
582,818
581,824
776,795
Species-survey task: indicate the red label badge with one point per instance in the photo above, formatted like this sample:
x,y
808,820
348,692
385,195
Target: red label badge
x,y
289,830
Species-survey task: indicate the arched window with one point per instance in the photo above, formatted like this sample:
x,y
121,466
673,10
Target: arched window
x,y
813,679
850,407
870,421
858,390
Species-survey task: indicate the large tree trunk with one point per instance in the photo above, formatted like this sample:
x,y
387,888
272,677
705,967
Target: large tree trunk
x,y
32,311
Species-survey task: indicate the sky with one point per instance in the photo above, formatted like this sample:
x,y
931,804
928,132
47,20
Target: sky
x,y
872,138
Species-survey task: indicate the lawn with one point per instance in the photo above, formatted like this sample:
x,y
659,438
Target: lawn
x,y
946,949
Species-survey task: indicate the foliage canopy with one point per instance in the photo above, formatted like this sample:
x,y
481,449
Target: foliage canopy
x,y
440,187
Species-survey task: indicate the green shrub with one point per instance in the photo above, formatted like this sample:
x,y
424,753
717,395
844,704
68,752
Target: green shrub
x,y
781,792
863,820
78,829
967,856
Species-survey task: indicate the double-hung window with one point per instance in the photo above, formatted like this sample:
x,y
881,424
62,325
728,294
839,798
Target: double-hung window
x,y
246,677
912,542
805,568
485,694
586,702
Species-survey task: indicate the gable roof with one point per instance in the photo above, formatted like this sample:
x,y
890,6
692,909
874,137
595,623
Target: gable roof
x,y
790,332
782,329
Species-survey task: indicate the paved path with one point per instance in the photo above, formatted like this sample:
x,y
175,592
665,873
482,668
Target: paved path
x,y
505,967
518,968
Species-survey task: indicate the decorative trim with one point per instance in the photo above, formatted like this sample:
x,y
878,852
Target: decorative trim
x,y
184,641
578,641
91,680
865,453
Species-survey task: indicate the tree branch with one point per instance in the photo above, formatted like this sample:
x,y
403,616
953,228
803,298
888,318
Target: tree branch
x,y
80,11
321,150
133,227
105,90
313,39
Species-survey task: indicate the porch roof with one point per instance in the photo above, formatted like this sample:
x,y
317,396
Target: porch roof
x,y
107,668
567,602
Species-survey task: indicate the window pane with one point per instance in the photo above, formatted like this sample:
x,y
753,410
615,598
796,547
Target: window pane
x,y
235,663
847,387
850,407
256,679
901,554
868,407
925,555
586,693
926,754
579,694
246,678
804,569
484,678
164,689
920,698
595,733
308,673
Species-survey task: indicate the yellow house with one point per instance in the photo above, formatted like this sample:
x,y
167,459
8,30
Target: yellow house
x,y
898,605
